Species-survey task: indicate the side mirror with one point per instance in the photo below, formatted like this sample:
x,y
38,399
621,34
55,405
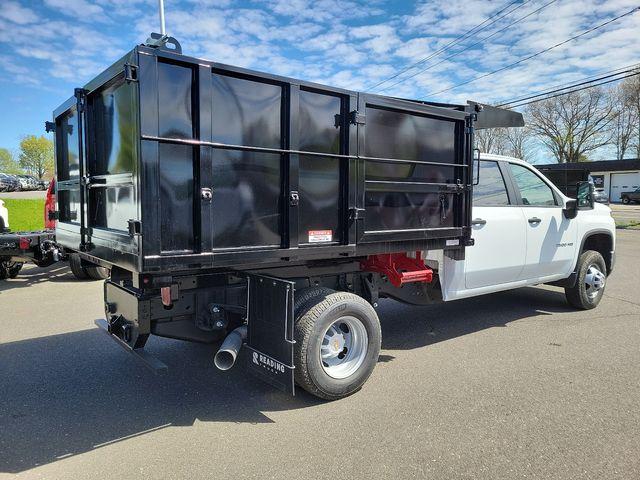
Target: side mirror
x,y
584,195
571,209
584,200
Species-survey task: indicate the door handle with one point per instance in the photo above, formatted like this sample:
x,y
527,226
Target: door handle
x,y
534,220
478,221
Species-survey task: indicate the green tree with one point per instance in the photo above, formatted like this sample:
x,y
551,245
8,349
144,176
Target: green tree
x,y
8,164
36,155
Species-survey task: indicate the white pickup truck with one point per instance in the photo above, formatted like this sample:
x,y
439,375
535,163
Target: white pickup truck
x,y
527,232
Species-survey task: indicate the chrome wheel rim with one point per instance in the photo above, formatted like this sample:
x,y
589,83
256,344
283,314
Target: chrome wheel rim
x,y
594,281
344,347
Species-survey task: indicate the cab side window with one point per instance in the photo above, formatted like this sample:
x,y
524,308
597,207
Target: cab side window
x,y
533,190
491,190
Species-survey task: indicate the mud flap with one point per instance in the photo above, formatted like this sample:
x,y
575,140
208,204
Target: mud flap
x,y
270,331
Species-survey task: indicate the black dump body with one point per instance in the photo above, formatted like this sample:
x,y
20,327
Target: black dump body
x,y
566,179
169,163
215,193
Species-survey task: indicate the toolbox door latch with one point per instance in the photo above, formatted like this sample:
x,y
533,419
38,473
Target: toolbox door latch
x,y
135,227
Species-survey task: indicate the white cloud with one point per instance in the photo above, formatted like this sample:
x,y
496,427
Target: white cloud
x,y
80,9
16,13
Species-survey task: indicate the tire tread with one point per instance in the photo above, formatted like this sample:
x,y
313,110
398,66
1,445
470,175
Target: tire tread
x,y
303,331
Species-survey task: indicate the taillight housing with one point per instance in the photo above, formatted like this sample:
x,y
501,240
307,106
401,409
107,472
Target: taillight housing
x,y
25,243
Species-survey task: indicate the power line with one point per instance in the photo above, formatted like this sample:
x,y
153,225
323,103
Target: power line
x,y
593,29
457,40
575,90
563,86
482,40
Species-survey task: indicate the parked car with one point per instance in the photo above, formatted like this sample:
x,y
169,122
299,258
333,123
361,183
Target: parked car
x,y
628,197
600,196
25,182
9,183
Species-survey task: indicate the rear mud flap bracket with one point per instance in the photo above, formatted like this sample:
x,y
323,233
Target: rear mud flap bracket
x,y
270,331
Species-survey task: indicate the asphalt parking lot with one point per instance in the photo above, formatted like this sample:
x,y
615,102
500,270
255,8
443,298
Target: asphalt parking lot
x,y
505,386
27,194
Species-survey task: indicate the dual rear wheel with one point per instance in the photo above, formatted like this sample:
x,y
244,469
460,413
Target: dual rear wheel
x,y
86,271
338,339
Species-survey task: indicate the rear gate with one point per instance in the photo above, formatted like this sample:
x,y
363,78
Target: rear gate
x,y
96,143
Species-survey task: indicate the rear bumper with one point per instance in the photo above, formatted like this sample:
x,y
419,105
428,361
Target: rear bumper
x,y
37,247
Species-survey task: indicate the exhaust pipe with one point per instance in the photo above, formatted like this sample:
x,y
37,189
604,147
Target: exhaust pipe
x,y
226,356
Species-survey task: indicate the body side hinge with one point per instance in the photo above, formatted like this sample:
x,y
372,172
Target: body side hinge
x,y
357,118
130,73
356,213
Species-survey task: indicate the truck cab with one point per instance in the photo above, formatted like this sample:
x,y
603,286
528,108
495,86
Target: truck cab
x,y
527,232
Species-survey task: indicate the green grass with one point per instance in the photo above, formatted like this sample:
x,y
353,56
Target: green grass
x,y
628,225
25,214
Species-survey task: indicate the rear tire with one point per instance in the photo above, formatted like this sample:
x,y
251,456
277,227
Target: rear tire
x,y
589,288
96,272
75,263
626,200
305,295
338,340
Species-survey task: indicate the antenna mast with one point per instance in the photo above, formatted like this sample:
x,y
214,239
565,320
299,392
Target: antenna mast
x,y
161,11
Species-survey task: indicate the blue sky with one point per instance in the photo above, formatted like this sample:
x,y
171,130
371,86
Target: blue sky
x,y
48,47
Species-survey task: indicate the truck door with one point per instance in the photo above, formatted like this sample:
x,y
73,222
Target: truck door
x,y
499,231
550,236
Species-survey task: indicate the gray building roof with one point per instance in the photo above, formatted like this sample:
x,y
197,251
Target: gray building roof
x,y
596,166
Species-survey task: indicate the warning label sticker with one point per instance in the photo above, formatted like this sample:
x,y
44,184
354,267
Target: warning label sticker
x,y
317,236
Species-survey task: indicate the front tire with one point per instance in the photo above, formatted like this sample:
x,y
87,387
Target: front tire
x,y
626,200
338,340
589,287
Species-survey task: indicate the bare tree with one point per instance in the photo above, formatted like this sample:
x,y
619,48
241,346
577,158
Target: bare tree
x,y
624,126
631,91
503,141
491,140
573,125
518,142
